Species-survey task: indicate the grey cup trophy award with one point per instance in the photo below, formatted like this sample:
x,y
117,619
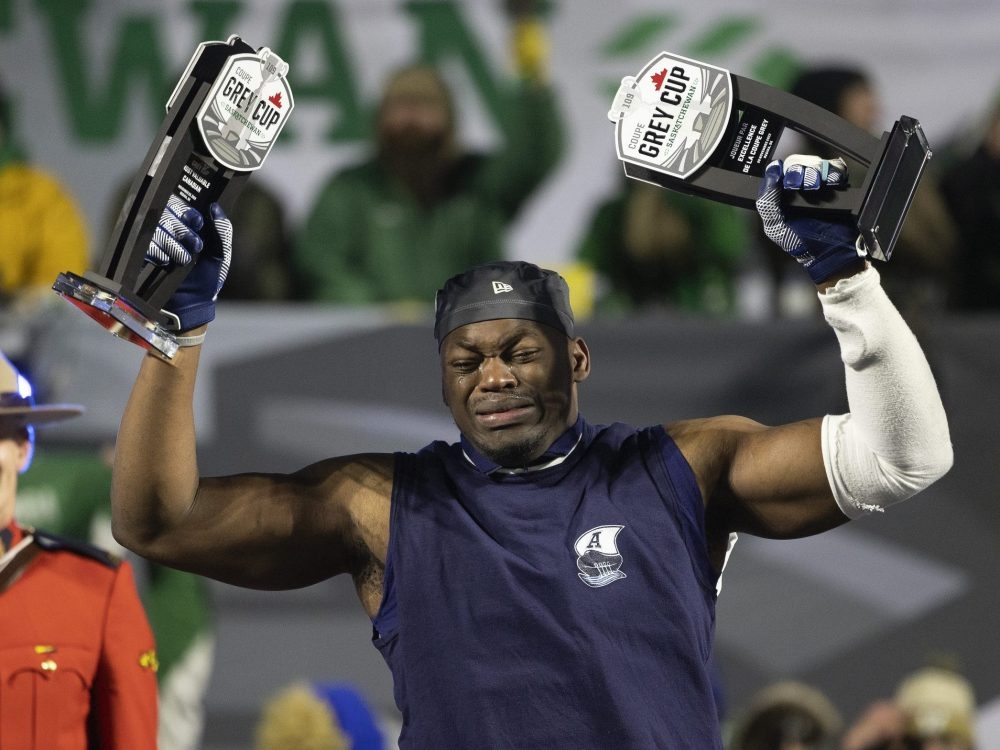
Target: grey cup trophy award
x,y
695,128
222,119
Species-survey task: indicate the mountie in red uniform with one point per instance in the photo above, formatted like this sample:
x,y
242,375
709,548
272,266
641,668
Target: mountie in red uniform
x,y
77,657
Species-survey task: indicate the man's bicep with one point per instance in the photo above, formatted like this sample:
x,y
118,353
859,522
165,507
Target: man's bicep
x,y
778,482
277,531
766,481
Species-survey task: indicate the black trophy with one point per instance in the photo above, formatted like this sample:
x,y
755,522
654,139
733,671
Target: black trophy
x,y
222,119
695,128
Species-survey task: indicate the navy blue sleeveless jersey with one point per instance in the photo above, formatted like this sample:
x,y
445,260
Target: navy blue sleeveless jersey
x,y
570,607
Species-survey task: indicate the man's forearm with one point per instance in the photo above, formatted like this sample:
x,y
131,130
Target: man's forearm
x,y
895,440
156,469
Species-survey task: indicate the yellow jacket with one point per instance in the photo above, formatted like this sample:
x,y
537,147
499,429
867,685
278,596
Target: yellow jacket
x,y
42,231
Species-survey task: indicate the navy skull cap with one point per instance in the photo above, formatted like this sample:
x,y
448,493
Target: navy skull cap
x,y
503,289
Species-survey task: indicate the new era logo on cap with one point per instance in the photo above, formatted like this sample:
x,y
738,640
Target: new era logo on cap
x,y
503,289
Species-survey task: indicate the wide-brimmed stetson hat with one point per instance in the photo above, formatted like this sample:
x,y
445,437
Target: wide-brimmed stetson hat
x,y
18,405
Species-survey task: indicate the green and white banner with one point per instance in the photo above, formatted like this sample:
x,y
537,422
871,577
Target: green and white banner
x,y
88,79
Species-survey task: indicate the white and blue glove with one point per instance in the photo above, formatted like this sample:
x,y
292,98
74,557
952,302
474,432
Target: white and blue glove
x,y
177,241
824,248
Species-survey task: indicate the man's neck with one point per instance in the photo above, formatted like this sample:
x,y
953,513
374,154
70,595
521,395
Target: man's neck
x,y
555,454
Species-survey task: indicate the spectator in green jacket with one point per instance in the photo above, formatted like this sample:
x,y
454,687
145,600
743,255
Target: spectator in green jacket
x,y
422,207
657,249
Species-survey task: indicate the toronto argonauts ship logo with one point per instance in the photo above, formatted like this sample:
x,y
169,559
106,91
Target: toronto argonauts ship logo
x,y
597,556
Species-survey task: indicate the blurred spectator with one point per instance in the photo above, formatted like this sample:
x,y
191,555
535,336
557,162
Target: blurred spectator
x,y
881,726
42,234
971,188
655,248
321,716
940,709
42,231
934,709
917,276
788,715
422,208
262,256
261,269
298,719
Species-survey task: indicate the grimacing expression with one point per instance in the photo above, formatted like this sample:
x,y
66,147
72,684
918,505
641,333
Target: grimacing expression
x,y
511,386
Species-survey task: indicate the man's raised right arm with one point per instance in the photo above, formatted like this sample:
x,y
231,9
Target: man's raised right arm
x,y
255,530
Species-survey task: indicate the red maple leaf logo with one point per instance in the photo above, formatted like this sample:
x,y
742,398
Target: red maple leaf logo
x,y
658,79
275,99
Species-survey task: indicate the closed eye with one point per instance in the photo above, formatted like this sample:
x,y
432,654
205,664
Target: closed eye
x,y
523,356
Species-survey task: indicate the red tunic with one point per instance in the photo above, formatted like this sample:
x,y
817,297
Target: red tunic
x,y
77,657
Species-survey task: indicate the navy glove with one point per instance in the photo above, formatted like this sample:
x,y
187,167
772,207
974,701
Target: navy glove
x,y
176,241
824,248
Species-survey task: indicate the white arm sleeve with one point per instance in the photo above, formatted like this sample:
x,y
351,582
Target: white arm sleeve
x,y
895,440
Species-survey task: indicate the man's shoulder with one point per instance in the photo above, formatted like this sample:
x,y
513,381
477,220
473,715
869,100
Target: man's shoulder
x,y
717,424
435,457
709,443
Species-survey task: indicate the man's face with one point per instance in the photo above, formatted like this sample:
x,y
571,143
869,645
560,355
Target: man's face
x,y
511,386
14,448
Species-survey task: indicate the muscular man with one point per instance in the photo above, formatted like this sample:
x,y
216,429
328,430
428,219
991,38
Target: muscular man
x,y
77,660
544,582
